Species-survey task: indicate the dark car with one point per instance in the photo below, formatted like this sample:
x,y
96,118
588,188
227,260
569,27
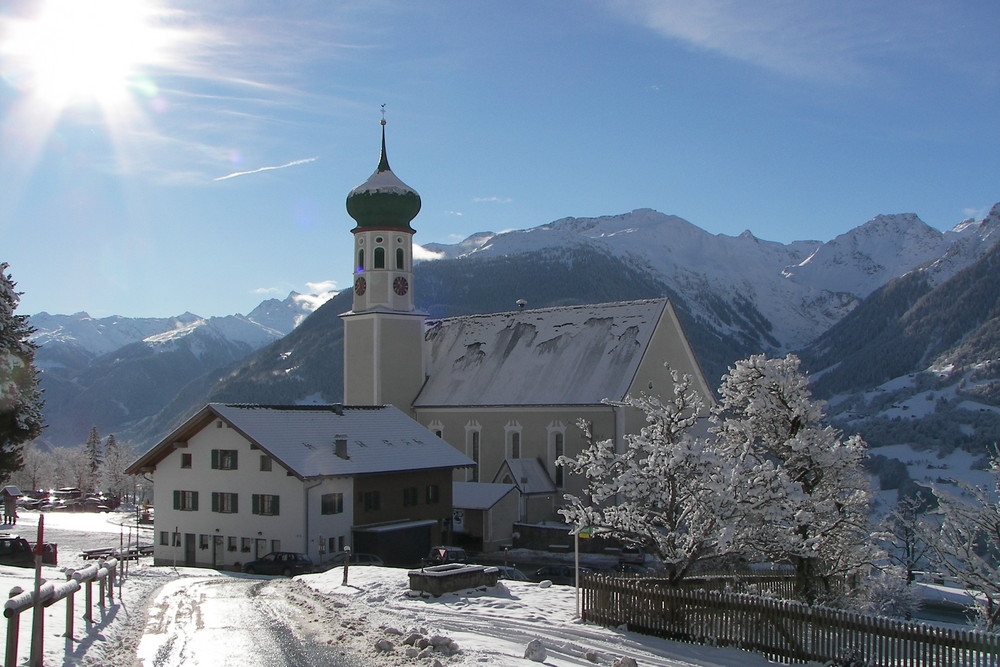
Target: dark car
x,y
15,550
285,563
511,573
445,555
356,559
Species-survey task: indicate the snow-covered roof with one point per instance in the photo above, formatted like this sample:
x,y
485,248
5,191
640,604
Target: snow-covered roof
x,y
302,438
568,355
11,491
478,495
527,475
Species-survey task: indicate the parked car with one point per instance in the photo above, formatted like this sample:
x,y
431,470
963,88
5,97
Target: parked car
x,y
15,550
445,555
285,563
632,555
511,573
356,559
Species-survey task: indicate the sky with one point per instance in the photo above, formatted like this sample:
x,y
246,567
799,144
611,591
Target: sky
x,y
158,157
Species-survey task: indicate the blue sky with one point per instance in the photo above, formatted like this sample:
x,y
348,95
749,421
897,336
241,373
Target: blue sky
x,y
120,123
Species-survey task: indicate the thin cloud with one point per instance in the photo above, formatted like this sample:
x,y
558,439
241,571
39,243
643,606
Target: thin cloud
x,y
492,200
839,42
422,254
260,169
458,213
322,286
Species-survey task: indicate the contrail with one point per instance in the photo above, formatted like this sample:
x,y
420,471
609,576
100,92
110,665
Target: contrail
x,y
257,171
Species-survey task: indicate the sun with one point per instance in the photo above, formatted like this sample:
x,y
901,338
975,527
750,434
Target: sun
x,y
82,52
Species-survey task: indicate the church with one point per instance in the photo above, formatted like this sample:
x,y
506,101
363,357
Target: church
x,y
508,390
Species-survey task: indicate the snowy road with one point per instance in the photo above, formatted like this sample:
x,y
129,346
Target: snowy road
x,y
232,621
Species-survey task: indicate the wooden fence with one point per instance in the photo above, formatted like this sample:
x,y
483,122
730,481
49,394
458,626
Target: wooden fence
x,y
780,629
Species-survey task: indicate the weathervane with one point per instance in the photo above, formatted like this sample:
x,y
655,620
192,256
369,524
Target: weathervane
x,y
383,114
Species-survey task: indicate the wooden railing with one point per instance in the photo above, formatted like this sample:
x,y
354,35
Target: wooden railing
x,y
780,629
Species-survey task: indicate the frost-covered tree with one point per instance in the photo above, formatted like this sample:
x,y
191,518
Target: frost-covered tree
x,y
666,489
38,471
967,545
904,533
113,478
818,520
20,398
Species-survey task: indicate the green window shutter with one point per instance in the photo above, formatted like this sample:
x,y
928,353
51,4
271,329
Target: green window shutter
x,y
274,505
215,459
255,503
177,499
235,457
235,497
194,501
215,501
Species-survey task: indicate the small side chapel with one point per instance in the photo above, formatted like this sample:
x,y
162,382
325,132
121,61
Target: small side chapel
x,y
505,389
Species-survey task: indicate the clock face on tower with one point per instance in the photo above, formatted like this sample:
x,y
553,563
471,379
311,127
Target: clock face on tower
x,y
400,286
360,285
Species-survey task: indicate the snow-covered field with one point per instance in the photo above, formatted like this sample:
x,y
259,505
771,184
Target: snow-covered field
x,y
490,627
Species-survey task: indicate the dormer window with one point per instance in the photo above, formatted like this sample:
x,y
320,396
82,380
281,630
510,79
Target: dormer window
x,y
379,258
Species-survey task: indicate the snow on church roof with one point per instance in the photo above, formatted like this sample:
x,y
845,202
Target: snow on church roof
x,y
568,355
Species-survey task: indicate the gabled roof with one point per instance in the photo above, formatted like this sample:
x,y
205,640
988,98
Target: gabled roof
x,y
302,439
478,495
527,475
11,491
570,355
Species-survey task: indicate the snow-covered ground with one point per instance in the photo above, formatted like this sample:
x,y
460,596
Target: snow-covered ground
x,y
490,626
161,608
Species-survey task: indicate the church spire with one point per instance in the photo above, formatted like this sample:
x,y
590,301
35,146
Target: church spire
x,y
383,201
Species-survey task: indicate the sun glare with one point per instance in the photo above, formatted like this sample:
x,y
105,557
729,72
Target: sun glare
x,y
83,51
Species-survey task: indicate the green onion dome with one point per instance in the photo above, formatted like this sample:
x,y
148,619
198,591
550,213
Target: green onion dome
x,y
383,201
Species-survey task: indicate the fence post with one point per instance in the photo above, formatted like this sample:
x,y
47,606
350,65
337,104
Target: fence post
x,y
70,608
13,629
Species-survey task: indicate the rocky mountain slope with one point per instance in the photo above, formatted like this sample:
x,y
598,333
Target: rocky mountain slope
x,y
735,296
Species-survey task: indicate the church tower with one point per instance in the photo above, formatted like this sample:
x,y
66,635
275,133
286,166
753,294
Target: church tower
x,y
383,334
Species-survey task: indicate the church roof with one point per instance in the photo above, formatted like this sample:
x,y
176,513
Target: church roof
x,y
568,355
302,439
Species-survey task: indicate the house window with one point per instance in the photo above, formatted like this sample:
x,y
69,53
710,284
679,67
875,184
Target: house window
x,y
224,502
264,504
186,501
231,544
361,260
332,503
379,257
203,541
410,496
265,463
186,460
433,494
246,543
472,444
399,258
164,538
558,449
512,433
372,501
275,546
224,459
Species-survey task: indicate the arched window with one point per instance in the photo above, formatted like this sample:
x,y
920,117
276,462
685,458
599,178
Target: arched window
x,y
399,258
380,258
361,260
559,449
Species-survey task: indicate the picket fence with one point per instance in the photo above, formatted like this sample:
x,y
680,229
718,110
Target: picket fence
x,y
782,630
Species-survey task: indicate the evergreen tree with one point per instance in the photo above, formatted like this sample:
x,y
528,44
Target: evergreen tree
x,y
819,521
92,450
20,398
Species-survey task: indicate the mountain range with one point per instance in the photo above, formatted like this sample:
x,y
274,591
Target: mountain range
x,y
891,298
